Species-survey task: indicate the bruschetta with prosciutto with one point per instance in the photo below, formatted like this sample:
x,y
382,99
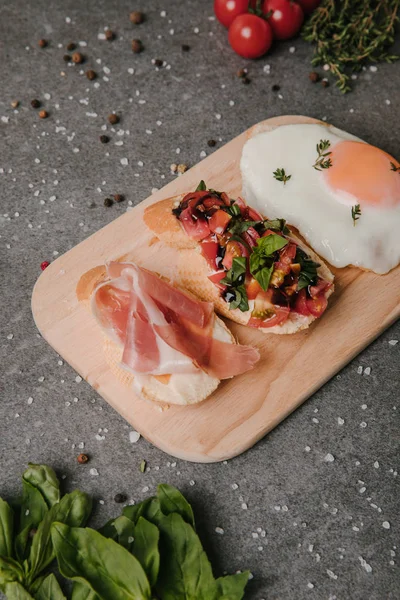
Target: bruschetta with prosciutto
x,y
254,270
167,344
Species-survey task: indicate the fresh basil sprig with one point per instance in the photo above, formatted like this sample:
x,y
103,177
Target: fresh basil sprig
x,y
308,273
263,256
201,187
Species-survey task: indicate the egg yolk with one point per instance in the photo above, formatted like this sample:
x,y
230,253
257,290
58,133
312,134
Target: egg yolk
x,y
366,173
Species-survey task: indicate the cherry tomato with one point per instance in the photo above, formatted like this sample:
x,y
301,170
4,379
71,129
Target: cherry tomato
x,y
286,19
253,288
309,5
250,36
317,305
233,250
227,10
300,305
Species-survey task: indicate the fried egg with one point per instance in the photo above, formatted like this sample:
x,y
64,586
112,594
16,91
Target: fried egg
x,y
341,193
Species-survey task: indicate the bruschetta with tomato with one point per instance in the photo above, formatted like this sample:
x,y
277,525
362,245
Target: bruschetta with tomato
x,y
253,269
165,343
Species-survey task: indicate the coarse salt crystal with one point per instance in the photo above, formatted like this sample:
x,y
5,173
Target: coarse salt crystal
x,y
94,472
244,506
219,530
386,525
376,464
329,458
340,421
359,370
367,371
234,486
78,379
124,161
30,400
331,574
134,436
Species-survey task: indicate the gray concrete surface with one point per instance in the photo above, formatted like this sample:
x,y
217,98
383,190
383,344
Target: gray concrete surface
x,y
322,519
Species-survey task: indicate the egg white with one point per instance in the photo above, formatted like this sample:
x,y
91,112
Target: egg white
x,y
322,216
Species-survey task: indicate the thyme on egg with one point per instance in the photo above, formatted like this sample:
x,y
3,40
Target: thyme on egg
x,y
322,161
280,175
348,34
393,167
355,213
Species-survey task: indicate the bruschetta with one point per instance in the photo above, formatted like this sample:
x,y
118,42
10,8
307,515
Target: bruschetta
x,y
254,270
169,346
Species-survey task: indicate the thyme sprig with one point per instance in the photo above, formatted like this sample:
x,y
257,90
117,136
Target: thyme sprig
x,y
280,175
355,213
322,161
393,167
348,34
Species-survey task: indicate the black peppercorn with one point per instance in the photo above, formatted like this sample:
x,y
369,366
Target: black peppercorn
x,y
35,103
104,139
212,143
71,46
185,47
276,88
137,46
120,498
314,77
108,202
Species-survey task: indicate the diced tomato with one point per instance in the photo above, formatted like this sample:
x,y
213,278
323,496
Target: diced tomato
x,y
233,250
215,278
300,306
321,286
209,250
280,266
249,239
288,253
219,221
253,214
241,204
225,198
317,305
271,232
267,314
254,234
195,226
212,201
253,288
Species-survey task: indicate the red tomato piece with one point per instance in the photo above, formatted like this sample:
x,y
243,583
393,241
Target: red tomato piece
x,y
219,221
253,214
274,313
300,306
249,239
195,226
253,288
215,278
286,17
309,5
317,305
281,315
233,250
227,10
250,36
321,286
209,250
288,253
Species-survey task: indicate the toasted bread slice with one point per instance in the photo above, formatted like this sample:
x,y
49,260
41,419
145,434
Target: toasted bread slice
x,y
193,270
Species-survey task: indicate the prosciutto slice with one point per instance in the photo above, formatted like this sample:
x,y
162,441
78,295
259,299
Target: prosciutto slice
x,y
161,329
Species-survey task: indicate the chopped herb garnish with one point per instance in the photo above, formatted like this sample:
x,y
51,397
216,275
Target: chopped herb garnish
x,y
262,258
201,187
308,274
322,162
234,280
233,210
143,466
280,175
393,167
355,213
277,225
238,227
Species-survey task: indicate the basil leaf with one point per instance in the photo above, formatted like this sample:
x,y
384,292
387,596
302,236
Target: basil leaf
x,y
149,509
255,262
125,529
172,501
201,187
263,276
81,591
185,572
49,589
6,529
269,244
239,227
15,591
240,301
277,225
33,509
308,274
10,571
74,510
233,210
111,571
145,548
45,480
232,586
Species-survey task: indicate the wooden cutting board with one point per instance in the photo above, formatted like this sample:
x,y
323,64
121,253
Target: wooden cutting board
x,y
243,409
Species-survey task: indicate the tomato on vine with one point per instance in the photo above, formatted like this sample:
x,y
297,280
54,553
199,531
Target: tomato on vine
x,y
227,10
250,36
284,16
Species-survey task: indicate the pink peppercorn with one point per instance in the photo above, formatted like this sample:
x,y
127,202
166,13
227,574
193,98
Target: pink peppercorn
x,y
44,265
